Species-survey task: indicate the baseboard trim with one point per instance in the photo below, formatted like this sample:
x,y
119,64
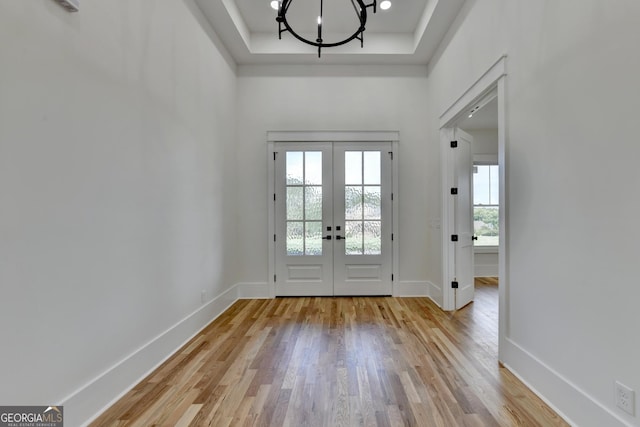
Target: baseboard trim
x,y
435,294
254,290
409,288
88,402
572,403
485,270
260,290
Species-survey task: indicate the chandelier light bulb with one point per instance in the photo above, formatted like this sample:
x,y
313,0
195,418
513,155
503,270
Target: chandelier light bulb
x,y
385,4
275,4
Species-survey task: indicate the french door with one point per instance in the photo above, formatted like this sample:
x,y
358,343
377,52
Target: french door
x,y
333,218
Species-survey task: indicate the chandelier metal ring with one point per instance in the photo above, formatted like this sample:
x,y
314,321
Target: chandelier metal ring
x,y
361,12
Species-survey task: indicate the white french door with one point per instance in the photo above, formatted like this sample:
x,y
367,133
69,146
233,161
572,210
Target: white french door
x,y
333,218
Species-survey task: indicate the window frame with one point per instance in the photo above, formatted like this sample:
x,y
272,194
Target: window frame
x,y
485,160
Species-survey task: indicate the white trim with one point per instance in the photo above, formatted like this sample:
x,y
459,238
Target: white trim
x,y
407,288
432,291
485,159
271,218
89,401
551,386
485,270
332,136
492,79
486,249
274,137
447,135
484,85
395,208
503,225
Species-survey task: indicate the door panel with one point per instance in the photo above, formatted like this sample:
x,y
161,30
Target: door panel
x,y
303,212
362,260
333,219
464,220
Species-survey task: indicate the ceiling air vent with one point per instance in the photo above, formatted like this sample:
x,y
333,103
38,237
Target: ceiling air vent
x,y
69,5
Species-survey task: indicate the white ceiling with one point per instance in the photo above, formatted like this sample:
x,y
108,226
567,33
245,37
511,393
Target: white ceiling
x,y
408,33
484,118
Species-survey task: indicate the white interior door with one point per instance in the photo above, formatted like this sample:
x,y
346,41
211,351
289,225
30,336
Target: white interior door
x,y
333,219
463,220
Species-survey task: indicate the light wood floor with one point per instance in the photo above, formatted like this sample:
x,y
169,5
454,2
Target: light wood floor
x,y
338,362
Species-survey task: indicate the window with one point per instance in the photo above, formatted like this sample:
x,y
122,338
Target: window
x,y
485,205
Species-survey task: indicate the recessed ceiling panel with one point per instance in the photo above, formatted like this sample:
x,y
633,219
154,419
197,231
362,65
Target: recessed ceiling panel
x,y
339,16
407,33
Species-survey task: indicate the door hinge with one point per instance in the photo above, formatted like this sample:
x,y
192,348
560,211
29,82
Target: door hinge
x,y
454,285
274,277
391,236
274,237
454,191
275,154
454,237
392,277
391,154
392,197
274,197
454,144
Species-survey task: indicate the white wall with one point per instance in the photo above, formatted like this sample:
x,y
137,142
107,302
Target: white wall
x,y
485,262
572,92
345,98
117,192
485,141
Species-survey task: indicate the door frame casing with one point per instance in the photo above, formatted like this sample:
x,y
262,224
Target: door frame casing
x,y
493,79
274,137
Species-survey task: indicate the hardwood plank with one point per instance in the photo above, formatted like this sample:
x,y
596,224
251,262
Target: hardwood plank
x,y
361,361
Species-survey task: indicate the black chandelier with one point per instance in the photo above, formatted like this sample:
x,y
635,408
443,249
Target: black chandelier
x,y
361,12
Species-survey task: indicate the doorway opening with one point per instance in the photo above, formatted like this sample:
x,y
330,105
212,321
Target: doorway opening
x,y
458,233
332,216
482,126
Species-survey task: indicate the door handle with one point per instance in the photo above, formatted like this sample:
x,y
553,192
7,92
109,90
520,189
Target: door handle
x,y
474,237
326,238
340,238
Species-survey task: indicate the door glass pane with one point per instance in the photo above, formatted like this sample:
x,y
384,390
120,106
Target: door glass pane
x,y
372,167
363,203
304,202
313,168
353,167
372,202
313,238
295,240
353,202
372,238
295,203
353,236
313,203
294,167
